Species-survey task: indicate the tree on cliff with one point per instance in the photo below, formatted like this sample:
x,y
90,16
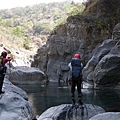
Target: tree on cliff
x,y
107,12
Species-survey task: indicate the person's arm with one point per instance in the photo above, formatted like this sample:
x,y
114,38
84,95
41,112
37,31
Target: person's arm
x,y
70,72
82,65
5,60
70,66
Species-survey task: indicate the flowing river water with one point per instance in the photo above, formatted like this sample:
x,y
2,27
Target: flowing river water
x,y
44,96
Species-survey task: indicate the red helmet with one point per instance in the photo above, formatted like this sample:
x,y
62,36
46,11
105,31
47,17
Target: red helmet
x,y
4,53
77,56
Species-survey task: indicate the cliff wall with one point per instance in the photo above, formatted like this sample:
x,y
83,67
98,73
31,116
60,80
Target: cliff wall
x,y
80,34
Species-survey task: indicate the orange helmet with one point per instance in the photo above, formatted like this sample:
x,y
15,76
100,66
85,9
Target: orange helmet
x,y
77,56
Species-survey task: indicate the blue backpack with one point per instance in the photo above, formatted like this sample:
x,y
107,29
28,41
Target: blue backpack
x,y
76,67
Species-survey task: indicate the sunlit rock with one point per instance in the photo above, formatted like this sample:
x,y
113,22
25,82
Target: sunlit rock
x,y
25,75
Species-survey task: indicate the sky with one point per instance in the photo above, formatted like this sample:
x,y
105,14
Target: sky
x,y
7,4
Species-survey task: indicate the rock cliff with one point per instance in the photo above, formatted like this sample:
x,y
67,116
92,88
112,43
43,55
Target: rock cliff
x,y
102,70
80,34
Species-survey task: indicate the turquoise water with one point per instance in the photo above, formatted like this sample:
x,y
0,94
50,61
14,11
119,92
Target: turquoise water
x,y
44,96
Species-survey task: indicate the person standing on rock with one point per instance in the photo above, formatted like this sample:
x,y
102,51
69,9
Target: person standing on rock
x,y
75,77
3,68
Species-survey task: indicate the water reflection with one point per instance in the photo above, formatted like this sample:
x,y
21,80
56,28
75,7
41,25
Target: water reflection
x,y
44,96
107,99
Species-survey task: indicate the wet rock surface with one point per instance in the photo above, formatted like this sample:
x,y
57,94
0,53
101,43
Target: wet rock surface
x,y
14,103
107,116
69,112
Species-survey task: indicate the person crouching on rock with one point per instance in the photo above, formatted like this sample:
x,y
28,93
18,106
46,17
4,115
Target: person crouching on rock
x,y
75,77
3,68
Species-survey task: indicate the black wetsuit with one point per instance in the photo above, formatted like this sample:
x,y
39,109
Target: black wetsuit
x,y
1,80
76,78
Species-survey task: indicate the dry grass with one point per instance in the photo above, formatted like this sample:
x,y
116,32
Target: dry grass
x,y
14,45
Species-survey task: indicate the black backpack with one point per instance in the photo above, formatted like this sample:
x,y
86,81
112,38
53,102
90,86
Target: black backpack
x,y
76,68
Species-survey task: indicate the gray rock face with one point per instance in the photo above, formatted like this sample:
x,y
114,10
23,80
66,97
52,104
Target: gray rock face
x,y
107,116
102,70
14,104
25,75
78,35
116,32
67,112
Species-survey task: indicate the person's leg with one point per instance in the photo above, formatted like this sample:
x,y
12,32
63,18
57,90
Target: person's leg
x,y
73,91
79,92
1,83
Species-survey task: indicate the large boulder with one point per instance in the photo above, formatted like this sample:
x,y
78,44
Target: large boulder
x,y
69,112
14,103
25,75
102,70
107,116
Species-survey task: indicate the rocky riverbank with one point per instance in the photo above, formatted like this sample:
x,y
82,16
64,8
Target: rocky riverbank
x,y
14,103
84,112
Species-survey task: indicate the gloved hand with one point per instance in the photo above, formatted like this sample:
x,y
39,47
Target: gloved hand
x,y
9,58
69,81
